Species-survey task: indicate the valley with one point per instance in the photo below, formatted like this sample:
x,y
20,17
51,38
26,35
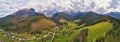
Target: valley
x,y
26,25
67,33
59,20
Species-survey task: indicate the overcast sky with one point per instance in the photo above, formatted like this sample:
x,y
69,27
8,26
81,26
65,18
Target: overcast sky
x,y
100,6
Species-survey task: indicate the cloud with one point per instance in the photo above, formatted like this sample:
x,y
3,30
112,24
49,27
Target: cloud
x,y
49,6
9,6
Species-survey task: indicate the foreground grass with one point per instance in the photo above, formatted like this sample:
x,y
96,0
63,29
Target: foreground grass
x,y
98,30
4,38
68,38
69,32
95,31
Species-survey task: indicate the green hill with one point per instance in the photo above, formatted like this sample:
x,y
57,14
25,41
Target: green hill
x,y
36,23
71,34
30,24
98,30
91,27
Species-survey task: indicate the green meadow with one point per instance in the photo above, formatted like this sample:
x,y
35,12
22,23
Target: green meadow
x,y
68,32
94,32
98,30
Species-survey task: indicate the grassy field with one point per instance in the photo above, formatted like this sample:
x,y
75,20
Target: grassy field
x,y
68,38
5,38
68,33
95,31
98,30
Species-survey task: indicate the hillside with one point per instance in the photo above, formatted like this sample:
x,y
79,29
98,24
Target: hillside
x,y
59,20
36,23
115,15
58,17
26,21
98,30
76,35
91,18
62,27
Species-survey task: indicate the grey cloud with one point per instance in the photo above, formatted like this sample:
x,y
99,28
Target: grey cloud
x,y
99,6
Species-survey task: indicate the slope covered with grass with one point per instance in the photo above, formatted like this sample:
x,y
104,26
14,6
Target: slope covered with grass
x,y
4,37
98,30
94,32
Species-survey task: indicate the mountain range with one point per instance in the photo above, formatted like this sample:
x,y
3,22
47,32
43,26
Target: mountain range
x,y
24,16
62,24
115,15
26,20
